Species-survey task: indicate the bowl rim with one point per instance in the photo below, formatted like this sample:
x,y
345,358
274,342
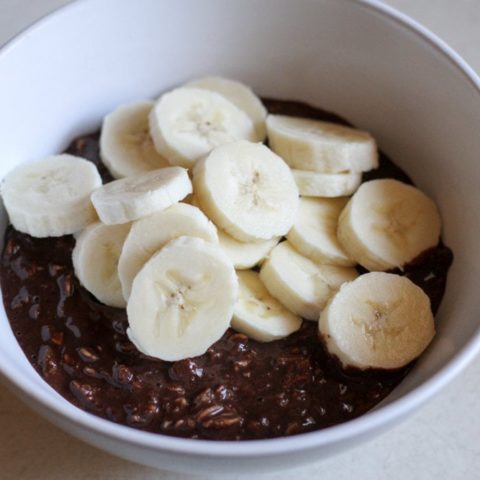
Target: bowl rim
x,y
277,446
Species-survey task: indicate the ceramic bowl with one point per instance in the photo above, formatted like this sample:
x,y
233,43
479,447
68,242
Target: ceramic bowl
x,y
361,59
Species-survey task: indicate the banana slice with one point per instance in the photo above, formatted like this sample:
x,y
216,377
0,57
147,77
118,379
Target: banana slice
x,y
51,197
132,198
245,254
258,315
295,281
182,300
387,224
187,123
379,320
150,234
241,96
336,276
314,233
298,283
319,146
247,190
95,260
126,147
314,184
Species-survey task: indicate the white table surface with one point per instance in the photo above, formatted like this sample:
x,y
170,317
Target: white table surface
x,y
439,441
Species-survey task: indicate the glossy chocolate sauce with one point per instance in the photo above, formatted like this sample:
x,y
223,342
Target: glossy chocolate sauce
x,y
239,389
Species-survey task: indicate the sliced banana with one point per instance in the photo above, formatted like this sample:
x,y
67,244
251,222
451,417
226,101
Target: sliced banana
x,y
387,223
247,190
295,281
182,300
320,146
126,147
245,254
95,260
336,276
241,96
379,320
187,123
150,234
132,198
314,184
51,197
257,314
298,283
314,233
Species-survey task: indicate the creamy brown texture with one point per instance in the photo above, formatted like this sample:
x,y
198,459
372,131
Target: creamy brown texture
x,y
239,389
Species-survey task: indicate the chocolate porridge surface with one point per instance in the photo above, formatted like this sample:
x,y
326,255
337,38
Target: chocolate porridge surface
x,y
239,389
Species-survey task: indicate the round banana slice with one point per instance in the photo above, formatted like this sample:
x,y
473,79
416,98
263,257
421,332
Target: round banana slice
x,y
245,254
247,190
182,300
314,184
132,198
314,233
241,96
319,146
126,147
150,234
298,283
258,315
379,320
51,197
336,276
387,223
95,260
187,123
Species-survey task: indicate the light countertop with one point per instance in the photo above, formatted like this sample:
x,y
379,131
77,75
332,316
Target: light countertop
x,y
439,441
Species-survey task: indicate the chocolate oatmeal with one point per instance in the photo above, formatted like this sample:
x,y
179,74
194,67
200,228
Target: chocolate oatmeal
x,y
239,389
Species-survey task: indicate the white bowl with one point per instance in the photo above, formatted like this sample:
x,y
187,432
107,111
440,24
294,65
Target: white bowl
x,y
361,59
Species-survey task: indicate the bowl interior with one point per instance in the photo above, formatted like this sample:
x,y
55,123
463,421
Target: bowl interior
x,y
60,79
